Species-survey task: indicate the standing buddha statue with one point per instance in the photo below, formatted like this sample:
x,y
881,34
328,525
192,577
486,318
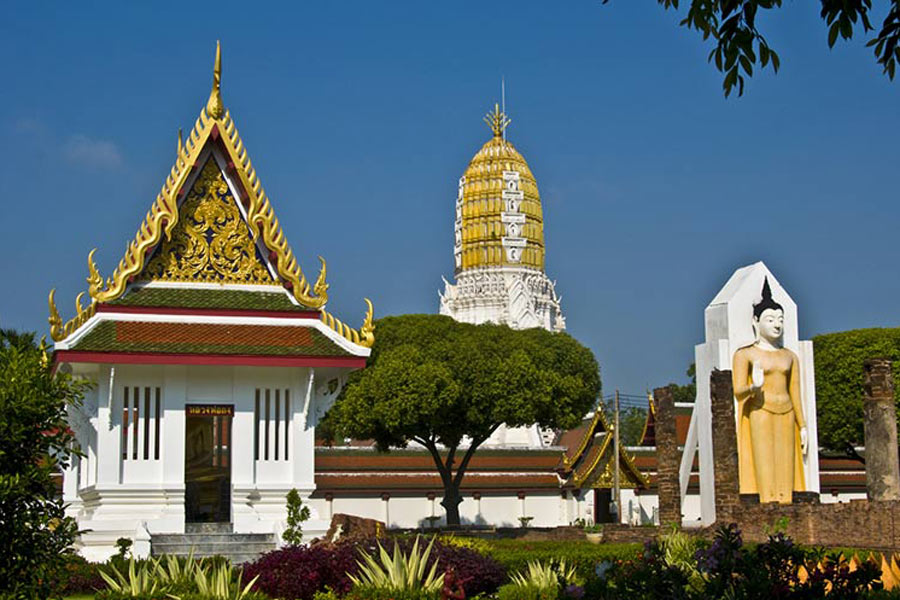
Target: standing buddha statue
x,y
772,433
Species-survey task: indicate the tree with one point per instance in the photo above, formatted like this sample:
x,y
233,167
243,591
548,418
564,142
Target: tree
x,y
448,386
839,359
35,443
631,425
739,45
688,391
297,514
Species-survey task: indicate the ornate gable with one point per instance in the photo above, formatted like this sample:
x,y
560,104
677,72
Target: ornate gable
x,y
210,225
211,243
590,462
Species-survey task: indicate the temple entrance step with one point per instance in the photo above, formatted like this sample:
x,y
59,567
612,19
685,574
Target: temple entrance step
x,y
213,540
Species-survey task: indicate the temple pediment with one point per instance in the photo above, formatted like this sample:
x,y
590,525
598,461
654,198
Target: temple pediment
x,y
211,242
211,225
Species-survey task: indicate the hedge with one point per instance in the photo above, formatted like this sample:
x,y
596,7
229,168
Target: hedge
x,y
515,554
839,361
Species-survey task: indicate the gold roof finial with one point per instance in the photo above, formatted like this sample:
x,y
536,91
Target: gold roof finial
x,y
214,106
180,148
497,121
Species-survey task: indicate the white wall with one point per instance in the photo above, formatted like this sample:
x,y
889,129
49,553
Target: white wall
x,y
114,496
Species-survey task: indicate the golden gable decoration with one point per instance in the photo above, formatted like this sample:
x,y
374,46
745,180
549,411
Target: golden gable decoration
x,y
211,243
214,122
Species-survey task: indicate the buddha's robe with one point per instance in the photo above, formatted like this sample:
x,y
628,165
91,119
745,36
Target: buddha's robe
x,y
769,422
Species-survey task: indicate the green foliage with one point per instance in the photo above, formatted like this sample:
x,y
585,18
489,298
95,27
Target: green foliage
x,y
35,444
138,581
839,361
679,550
529,592
515,555
123,547
386,594
176,578
545,575
434,381
297,513
399,572
739,45
631,425
688,391
219,582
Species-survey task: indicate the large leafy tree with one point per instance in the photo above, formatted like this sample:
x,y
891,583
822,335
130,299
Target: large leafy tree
x,y
839,359
448,386
35,443
739,45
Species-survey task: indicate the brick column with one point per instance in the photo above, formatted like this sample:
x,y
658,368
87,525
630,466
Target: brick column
x,y
880,420
668,458
725,454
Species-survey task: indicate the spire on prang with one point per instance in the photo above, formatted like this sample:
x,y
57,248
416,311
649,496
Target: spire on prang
x,y
214,106
497,121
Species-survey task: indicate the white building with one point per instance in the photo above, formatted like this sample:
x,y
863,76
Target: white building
x,y
212,359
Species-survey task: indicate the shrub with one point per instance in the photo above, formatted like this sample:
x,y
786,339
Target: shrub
x,y
296,515
138,580
477,572
78,576
771,569
512,591
220,582
390,594
514,555
545,575
398,572
35,443
298,572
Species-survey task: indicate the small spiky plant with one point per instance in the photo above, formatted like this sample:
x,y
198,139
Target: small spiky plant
x,y
400,571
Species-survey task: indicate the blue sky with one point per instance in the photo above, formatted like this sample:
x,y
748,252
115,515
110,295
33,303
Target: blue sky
x,y
360,117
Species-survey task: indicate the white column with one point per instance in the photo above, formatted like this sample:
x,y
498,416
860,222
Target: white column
x,y
243,463
303,432
109,433
172,432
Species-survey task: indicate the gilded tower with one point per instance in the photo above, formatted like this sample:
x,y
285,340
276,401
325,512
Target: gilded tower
x,y
499,246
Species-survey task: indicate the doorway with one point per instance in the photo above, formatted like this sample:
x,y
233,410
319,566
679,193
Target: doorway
x,y
207,463
602,500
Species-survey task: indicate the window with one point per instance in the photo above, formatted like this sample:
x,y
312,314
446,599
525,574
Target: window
x,y
141,423
271,428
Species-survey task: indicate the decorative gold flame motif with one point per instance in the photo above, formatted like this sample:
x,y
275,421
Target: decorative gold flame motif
x,y
366,334
211,242
215,108
59,331
497,121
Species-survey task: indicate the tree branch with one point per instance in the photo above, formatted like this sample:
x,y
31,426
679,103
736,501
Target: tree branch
x,y
470,451
443,469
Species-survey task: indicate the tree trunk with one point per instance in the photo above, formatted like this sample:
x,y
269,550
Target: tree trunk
x,y
449,478
451,501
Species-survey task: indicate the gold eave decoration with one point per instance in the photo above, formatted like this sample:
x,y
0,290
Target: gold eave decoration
x,y
585,439
214,121
365,336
